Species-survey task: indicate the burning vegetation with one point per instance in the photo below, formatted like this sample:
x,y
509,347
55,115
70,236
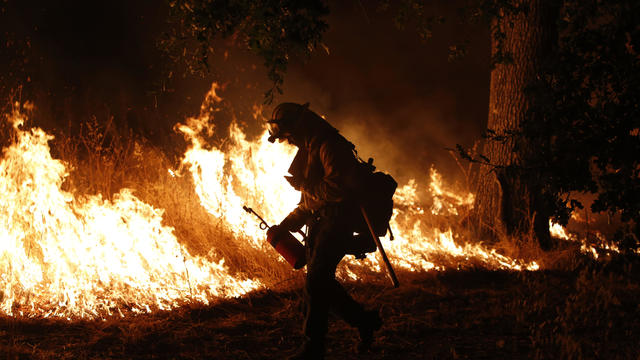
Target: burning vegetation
x,y
110,229
77,255
114,244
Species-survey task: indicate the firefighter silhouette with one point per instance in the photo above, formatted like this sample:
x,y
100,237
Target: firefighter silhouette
x,y
324,170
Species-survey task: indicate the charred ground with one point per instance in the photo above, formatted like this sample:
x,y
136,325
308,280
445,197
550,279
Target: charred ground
x,y
587,310
576,308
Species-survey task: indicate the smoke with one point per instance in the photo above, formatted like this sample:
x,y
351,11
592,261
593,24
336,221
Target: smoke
x,y
405,142
398,99
77,59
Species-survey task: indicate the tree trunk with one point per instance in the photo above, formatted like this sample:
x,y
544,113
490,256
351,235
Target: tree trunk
x,y
508,201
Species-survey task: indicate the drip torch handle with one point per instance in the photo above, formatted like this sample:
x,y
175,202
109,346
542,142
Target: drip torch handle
x,y
263,224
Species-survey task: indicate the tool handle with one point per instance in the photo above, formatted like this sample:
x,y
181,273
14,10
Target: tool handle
x,y
392,274
263,224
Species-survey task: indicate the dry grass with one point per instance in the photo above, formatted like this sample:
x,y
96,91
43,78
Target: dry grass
x,y
104,162
448,315
575,308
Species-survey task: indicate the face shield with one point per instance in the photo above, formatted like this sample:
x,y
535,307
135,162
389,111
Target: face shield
x,y
284,119
274,131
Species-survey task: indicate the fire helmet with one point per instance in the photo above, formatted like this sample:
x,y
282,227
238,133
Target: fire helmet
x,y
284,119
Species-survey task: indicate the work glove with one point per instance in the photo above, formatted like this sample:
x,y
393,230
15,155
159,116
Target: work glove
x,y
276,231
294,221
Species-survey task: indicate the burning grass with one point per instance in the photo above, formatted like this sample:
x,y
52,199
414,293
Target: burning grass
x,y
459,297
112,225
445,315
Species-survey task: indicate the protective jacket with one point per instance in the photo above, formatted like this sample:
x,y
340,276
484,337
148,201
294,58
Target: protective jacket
x,y
325,170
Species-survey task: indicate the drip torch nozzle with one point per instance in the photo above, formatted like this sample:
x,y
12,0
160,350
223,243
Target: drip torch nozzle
x,y
263,224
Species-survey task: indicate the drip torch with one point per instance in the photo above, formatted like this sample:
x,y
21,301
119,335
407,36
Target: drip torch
x,y
284,242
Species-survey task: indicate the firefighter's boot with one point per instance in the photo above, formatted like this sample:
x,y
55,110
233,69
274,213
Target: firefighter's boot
x,y
371,322
310,350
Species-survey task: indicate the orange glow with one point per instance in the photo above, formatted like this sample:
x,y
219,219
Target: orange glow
x,y
593,243
75,256
68,256
255,178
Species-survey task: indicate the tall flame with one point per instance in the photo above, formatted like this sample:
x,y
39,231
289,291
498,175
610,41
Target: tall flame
x,y
242,174
72,256
69,255
250,172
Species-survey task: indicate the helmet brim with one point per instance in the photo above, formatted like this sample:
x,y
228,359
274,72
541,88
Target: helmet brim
x,y
275,131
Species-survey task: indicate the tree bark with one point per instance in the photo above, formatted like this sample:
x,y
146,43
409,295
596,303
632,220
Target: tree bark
x,y
508,201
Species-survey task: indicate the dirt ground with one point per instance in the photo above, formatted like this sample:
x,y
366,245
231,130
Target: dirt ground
x,y
470,314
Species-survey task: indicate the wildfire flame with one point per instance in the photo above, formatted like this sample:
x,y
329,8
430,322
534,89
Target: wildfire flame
x,y
244,173
69,255
594,247
254,176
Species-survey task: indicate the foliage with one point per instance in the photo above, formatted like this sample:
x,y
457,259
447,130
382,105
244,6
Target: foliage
x,y
275,30
586,118
589,316
425,15
584,121
414,11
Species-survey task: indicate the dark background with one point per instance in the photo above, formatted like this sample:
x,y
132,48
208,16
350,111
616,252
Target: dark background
x,y
396,97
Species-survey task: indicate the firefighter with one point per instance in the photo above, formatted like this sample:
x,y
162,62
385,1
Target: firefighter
x,y
324,170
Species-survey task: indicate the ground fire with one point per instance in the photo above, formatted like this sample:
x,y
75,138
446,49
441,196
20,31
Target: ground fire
x,y
319,179
84,256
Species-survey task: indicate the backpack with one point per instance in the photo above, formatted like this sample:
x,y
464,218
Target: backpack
x,y
376,199
375,190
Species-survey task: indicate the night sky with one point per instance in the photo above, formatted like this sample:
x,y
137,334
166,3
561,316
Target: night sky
x,y
397,98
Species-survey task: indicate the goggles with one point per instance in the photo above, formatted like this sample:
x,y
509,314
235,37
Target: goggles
x,y
275,131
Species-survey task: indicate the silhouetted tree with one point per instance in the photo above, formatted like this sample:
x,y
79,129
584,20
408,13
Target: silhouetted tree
x,y
275,30
563,109
585,116
510,195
